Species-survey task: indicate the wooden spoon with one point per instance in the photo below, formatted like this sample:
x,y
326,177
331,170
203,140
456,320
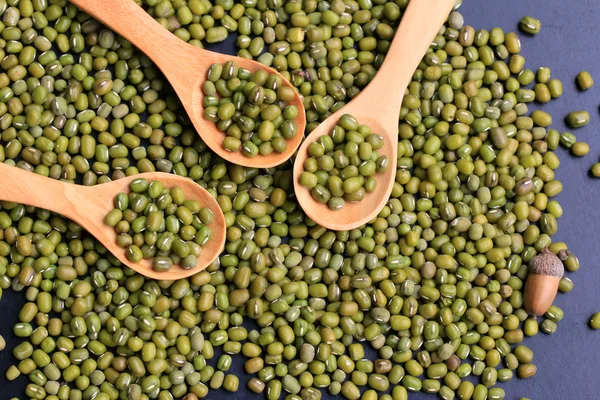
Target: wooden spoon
x,y
186,66
378,106
88,205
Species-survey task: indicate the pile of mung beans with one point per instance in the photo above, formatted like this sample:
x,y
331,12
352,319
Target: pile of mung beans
x,y
432,287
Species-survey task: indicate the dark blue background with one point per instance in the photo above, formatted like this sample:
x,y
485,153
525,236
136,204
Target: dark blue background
x,y
567,361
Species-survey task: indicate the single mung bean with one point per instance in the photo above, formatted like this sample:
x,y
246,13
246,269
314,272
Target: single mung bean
x,y
595,321
577,119
584,80
530,25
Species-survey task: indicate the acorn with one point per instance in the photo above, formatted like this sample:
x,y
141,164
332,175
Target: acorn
x,y
545,271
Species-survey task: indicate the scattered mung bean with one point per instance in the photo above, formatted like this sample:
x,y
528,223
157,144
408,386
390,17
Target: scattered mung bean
x,y
595,321
530,25
577,119
580,149
595,170
584,80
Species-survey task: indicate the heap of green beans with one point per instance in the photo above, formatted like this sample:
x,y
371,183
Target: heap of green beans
x,y
153,222
251,108
422,298
341,166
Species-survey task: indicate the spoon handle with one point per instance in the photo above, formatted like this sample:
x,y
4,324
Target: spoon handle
x,y
129,20
420,24
24,187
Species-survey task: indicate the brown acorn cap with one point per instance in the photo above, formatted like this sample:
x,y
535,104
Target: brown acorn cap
x,y
547,263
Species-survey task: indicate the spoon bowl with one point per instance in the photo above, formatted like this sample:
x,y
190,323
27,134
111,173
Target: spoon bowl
x,y
214,137
186,68
353,214
377,106
88,205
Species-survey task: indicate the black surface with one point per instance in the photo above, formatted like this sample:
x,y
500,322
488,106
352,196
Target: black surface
x,y
568,360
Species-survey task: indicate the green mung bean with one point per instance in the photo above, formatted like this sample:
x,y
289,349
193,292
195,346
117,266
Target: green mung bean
x,y
577,119
526,371
584,80
595,321
530,25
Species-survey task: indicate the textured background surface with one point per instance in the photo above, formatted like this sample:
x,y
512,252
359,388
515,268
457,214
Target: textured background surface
x,y
568,360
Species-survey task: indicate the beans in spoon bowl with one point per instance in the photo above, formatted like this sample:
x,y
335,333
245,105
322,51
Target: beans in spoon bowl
x,y
341,165
153,222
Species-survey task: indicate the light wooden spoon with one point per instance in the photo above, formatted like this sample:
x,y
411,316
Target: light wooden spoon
x,y
186,66
378,106
88,205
